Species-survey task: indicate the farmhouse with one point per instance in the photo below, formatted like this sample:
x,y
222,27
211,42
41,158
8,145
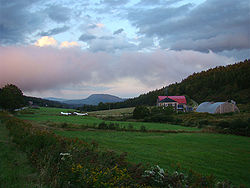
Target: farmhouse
x,y
217,107
178,102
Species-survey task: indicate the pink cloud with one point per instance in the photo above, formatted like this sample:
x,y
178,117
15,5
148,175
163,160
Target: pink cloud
x,y
39,69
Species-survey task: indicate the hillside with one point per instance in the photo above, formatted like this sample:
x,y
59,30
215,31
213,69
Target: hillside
x,y
44,102
218,84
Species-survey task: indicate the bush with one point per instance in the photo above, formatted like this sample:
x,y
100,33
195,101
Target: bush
x,y
64,125
130,127
160,117
111,126
202,123
102,125
140,112
143,128
223,124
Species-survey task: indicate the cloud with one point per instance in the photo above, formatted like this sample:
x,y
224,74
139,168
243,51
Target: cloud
x,y
218,43
110,44
114,2
157,2
100,25
209,26
50,41
67,44
46,41
54,31
34,69
40,69
59,13
17,21
118,31
86,37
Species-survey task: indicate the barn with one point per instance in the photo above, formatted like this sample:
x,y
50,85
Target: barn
x,y
217,107
178,102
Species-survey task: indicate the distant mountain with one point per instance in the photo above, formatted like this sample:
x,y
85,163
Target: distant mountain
x,y
56,99
94,99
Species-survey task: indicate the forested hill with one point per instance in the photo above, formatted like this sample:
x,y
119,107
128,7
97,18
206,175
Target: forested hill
x,y
218,84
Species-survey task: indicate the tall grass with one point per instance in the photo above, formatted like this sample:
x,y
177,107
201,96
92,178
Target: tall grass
x,y
15,170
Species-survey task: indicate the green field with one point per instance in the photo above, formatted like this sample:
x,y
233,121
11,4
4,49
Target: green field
x,y
15,170
47,115
224,156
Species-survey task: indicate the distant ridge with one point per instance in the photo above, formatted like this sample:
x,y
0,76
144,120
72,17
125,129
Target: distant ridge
x,y
56,99
93,99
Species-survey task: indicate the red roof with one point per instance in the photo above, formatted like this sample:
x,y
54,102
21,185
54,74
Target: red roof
x,y
179,99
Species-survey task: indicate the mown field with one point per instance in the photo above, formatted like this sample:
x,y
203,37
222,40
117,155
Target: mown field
x,y
52,115
224,156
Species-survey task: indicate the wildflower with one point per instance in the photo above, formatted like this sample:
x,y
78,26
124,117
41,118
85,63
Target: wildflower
x,y
79,166
64,155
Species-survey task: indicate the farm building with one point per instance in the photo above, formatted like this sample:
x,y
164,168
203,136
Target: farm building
x,y
178,102
217,107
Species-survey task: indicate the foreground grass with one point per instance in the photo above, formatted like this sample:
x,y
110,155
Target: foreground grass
x,y
52,115
224,156
15,170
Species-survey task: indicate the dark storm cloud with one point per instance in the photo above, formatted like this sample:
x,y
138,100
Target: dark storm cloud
x,y
86,37
118,31
59,13
16,21
155,21
54,31
213,25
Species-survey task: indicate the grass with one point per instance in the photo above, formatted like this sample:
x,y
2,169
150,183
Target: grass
x,y
52,115
15,170
224,156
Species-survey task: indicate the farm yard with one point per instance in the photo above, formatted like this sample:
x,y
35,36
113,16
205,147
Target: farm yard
x,y
224,156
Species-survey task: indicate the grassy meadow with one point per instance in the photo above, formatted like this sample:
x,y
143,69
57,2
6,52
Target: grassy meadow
x,y
52,115
224,156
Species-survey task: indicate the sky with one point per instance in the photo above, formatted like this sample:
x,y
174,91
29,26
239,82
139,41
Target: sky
x,y
72,49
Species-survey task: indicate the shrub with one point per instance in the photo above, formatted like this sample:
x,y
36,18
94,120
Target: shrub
x,y
64,125
140,112
111,126
143,128
130,127
223,124
102,125
202,123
